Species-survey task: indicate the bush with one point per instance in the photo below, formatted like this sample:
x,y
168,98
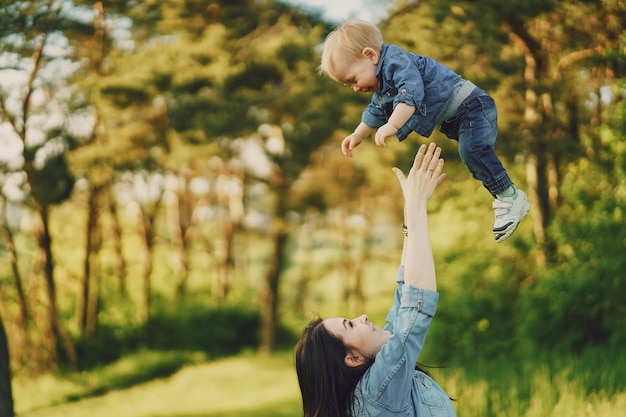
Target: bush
x,y
216,331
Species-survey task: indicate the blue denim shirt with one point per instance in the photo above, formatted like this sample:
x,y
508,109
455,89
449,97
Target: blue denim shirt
x,y
417,80
392,386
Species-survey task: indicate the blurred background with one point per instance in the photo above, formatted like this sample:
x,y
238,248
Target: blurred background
x,y
175,207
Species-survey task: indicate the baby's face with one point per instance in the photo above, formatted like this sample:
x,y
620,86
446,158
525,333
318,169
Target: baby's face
x,y
358,73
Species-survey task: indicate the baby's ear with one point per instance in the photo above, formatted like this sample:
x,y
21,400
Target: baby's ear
x,y
371,54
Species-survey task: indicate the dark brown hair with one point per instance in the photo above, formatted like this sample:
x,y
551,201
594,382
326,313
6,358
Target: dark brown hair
x,y
326,382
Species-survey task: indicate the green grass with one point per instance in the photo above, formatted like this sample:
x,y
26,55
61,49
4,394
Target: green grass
x,y
51,390
251,385
538,394
243,386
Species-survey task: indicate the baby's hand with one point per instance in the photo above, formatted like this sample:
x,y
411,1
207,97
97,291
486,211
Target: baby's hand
x,y
383,133
349,143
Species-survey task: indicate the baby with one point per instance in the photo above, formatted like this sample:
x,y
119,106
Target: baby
x,y
415,93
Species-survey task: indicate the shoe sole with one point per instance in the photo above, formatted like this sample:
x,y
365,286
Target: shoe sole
x,y
502,236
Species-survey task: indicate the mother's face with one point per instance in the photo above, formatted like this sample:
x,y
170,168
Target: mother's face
x,y
361,337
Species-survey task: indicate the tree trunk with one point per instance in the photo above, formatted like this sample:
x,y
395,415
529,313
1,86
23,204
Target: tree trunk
x,y
225,267
17,276
93,302
345,264
6,393
269,308
146,230
229,194
536,159
532,179
306,243
269,295
357,303
179,217
119,264
60,342
83,296
93,258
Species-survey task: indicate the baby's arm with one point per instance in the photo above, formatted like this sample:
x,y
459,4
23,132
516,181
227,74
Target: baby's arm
x,y
401,114
353,140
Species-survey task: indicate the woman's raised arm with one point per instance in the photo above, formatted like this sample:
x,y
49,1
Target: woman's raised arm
x,y
417,187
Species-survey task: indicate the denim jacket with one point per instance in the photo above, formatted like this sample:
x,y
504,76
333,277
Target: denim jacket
x,y
392,386
416,80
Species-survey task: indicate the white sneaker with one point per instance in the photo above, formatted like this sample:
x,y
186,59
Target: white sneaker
x,y
510,211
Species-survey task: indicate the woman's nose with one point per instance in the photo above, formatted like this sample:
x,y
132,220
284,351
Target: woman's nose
x,y
363,318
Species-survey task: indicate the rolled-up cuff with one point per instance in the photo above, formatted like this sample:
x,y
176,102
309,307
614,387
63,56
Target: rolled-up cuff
x,y
371,120
400,275
424,300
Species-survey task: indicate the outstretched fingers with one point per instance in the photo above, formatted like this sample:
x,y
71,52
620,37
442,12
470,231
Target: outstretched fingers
x,y
431,157
428,160
427,168
419,157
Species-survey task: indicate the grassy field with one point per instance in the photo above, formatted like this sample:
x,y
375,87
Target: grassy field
x,y
240,386
251,385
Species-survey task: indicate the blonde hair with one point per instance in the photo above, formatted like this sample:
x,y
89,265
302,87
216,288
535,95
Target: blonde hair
x,y
349,40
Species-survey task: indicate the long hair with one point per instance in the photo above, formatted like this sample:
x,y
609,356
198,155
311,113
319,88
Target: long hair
x,y
326,382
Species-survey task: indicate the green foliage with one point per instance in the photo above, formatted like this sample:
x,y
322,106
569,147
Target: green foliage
x,y
256,76
123,95
27,18
582,295
52,183
477,318
219,331
214,331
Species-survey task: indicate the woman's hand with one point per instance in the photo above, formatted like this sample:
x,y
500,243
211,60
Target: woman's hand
x,y
418,186
425,175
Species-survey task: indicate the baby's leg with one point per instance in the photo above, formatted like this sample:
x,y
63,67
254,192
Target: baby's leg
x,y
477,135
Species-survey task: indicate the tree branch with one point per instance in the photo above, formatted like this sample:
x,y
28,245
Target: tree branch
x,y
570,58
5,114
37,58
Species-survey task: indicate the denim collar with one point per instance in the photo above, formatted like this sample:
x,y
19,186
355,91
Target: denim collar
x,y
379,67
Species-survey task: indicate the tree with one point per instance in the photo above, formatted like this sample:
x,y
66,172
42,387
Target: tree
x,y
6,393
32,41
118,145
556,40
231,69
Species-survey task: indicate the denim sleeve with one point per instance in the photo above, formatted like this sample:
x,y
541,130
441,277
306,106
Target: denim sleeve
x,y
373,115
389,379
406,78
393,311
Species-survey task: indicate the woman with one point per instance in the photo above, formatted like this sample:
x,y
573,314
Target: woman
x,y
350,368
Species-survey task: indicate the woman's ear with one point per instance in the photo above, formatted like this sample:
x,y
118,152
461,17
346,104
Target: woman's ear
x,y
352,360
371,54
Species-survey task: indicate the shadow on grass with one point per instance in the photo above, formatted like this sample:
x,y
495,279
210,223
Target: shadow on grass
x,y
283,409
132,369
